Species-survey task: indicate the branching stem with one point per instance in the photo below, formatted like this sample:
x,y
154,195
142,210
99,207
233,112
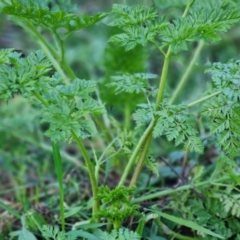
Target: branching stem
x,y
145,140
159,99
191,2
58,63
185,76
135,152
140,160
203,99
85,156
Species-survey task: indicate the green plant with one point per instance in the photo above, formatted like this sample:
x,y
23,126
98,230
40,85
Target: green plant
x,y
121,234
116,206
71,106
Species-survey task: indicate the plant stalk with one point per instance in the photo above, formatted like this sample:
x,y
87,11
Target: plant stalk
x,y
185,76
135,152
140,161
163,78
160,95
90,171
191,2
203,99
40,98
179,189
159,99
85,156
58,63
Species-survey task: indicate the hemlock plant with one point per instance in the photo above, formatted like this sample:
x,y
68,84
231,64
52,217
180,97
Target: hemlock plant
x,y
72,106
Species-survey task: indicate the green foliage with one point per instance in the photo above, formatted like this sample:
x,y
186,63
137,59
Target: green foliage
x,y
117,206
64,107
231,203
23,75
131,83
224,109
38,13
138,23
120,234
218,213
172,121
53,232
174,3
144,114
175,122
198,25
141,25
68,107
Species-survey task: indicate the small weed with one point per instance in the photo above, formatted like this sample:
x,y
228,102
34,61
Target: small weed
x,y
108,117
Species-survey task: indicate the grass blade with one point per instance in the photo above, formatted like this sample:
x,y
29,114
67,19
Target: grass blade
x,y
10,210
59,171
189,224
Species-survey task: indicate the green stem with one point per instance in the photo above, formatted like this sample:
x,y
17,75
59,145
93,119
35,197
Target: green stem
x,y
179,189
59,43
140,161
191,2
58,63
163,78
127,116
159,99
187,72
90,171
58,165
103,128
85,156
46,47
147,137
135,152
159,49
40,98
203,99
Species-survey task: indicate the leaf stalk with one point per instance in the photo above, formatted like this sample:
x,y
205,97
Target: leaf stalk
x,y
90,171
185,76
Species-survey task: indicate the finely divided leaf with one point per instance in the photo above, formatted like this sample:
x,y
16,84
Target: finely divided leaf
x,y
202,24
23,75
137,83
144,114
42,16
132,16
139,25
176,124
224,110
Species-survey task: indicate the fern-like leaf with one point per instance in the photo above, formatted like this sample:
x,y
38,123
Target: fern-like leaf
x,y
65,107
175,123
131,83
39,15
54,233
132,16
203,24
224,109
139,25
121,234
231,204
